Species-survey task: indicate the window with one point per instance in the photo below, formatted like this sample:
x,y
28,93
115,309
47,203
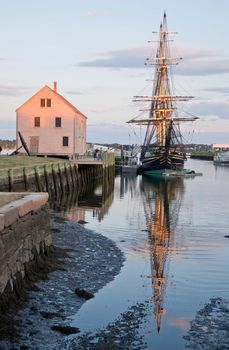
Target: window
x,y
65,140
58,122
45,102
48,102
37,121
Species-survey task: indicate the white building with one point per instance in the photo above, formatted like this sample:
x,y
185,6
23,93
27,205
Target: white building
x,y
50,125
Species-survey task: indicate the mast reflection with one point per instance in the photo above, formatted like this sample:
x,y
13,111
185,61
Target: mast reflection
x,y
162,201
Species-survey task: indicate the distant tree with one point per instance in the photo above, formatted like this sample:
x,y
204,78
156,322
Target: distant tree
x,y
8,144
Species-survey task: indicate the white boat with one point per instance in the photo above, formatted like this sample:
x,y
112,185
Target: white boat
x,y
131,166
221,158
129,169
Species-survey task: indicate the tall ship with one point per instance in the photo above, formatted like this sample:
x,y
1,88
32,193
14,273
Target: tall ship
x,y
163,148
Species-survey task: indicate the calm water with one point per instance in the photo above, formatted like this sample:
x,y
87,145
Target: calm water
x,y
172,233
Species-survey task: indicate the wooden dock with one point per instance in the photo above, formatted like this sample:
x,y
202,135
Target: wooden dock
x,y
108,159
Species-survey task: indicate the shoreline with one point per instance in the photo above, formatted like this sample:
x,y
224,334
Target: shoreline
x,y
90,262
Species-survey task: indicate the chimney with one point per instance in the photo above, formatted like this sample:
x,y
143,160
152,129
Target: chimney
x,y
55,86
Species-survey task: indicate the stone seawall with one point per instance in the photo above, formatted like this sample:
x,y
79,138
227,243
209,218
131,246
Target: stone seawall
x,y
24,235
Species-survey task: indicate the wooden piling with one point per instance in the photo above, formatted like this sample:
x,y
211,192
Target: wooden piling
x,y
37,177
54,179
25,179
61,179
46,179
10,180
67,177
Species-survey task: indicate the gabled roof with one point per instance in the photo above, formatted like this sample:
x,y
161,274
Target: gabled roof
x,y
57,94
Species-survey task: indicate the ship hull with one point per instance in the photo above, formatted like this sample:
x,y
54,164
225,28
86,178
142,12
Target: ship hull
x,y
161,162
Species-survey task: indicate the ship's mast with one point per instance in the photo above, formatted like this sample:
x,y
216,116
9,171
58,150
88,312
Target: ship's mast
x,y
162,113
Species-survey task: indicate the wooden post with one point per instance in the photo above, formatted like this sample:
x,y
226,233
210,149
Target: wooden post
x,y
25,179
37,176
54,179
77,175
72,177
61,179
67,178
46,179
11,179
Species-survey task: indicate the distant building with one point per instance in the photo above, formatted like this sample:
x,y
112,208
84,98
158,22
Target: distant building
x,y
51,125
220,147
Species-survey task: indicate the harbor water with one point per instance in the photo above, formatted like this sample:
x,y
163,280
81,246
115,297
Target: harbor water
x,y
172,233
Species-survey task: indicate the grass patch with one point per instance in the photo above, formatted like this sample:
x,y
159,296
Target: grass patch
x,y
8,162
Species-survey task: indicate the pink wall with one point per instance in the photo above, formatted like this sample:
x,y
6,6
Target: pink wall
x,y
50,137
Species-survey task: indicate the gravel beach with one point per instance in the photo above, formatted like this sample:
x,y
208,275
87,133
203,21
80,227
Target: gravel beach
x,y
88,262
91,262
210,328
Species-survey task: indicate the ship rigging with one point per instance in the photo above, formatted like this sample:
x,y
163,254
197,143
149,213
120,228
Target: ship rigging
x,y
163,121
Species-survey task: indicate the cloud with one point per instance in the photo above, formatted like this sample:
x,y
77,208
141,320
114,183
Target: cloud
x,y
196,61
217,108
204,67
6,90
210,137
98,110
126,58
74,92
89,14
107,133
222,90
8,124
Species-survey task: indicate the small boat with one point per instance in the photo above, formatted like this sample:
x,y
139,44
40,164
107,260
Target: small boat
x,y
163,147
221,158
131,166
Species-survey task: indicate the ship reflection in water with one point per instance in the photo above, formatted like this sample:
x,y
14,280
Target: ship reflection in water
x,y
162,200
176,251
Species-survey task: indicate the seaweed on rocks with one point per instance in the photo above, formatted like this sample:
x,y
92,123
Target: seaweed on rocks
x,y
86,262
12,300
210,328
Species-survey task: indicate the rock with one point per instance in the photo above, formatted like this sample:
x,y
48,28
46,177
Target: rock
x,y
82,222
227,236
67,330
83,294
45,314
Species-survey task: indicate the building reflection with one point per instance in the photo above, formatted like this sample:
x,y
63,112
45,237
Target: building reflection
x,y
96,198
99,200
162,200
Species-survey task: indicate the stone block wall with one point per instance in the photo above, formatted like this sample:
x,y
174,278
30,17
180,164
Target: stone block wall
x,y
24,233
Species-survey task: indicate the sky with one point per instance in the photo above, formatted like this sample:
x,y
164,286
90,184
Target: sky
x,y
96,50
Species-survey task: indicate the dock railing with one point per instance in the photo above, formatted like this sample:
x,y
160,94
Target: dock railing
x,y
105,159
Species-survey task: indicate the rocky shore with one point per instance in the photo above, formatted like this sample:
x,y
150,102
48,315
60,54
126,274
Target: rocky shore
x,y
210,328
89,261
80,264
